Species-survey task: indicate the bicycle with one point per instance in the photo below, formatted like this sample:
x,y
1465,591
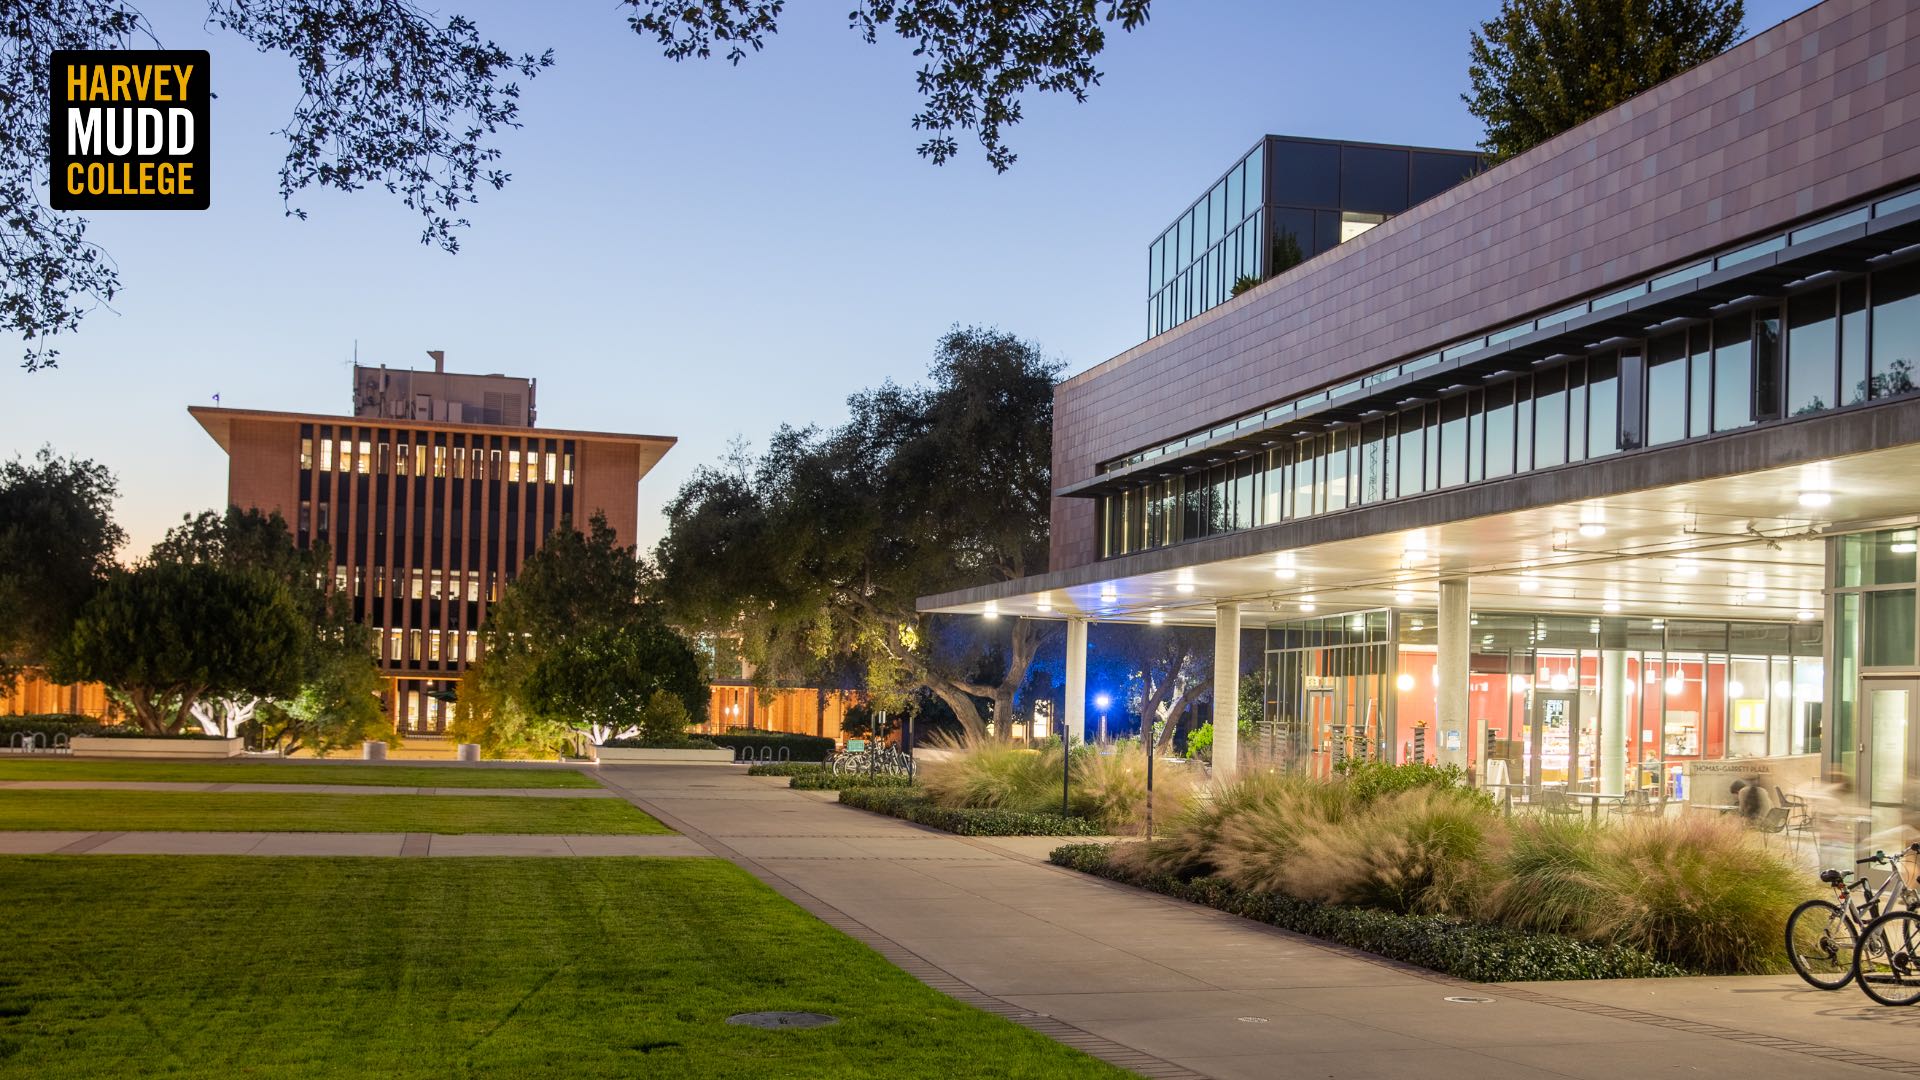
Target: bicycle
x,y
1887,963
1823,937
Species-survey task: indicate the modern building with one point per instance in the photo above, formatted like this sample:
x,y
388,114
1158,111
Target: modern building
x,y
1285,201
430,496
1592,473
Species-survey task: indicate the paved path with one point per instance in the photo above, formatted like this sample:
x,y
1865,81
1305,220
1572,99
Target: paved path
x,y
304,789
326,843
1175,990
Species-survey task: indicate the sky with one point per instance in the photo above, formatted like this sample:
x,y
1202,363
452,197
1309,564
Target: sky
x,y
701,250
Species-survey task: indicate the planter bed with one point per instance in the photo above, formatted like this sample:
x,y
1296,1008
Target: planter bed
x,y
1464,950
911,804
174,749
646,755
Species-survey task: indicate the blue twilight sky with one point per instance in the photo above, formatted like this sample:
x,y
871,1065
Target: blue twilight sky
x,y
704,251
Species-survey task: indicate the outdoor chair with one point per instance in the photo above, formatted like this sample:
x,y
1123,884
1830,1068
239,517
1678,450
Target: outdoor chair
x,y
1773,822
1555,801
1636,803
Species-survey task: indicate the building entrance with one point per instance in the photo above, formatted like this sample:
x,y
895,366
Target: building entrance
x,y
1551,734
1891,765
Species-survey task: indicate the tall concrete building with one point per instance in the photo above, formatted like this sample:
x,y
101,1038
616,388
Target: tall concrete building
x,y
1592,473
429,497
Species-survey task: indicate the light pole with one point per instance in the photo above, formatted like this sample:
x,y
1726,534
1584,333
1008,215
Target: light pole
x,y
1101,701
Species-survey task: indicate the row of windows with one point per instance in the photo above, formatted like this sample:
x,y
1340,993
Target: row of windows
x,y
419,459
1209,281
427,646
1842,344
1207,221
418,584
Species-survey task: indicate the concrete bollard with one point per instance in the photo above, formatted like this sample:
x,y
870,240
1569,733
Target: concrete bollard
x,y
469,751
372,750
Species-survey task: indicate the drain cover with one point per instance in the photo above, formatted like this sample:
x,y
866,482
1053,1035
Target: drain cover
x,y
775,1020
1251,1019
1470,1000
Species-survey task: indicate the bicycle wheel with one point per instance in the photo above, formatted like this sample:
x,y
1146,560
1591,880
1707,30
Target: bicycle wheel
x,y
1887,962
1820,942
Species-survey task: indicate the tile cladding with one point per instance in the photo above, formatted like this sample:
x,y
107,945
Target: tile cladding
x,y
1817,111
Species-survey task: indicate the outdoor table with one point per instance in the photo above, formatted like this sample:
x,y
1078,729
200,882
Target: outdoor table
x,y
1594,799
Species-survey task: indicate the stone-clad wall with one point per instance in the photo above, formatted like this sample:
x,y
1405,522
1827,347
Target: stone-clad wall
x,y
1820,110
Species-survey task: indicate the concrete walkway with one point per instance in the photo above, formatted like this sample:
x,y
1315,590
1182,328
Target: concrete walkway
x,y
423,845
302,789
1171,989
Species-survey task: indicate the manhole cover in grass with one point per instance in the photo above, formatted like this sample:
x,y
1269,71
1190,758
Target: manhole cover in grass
x,y
776,1020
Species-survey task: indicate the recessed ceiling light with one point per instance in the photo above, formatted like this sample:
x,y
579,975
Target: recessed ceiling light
x,y
1403,598
1592,530
1806,615
992,611
1308,606
1156,618
1815,499
1610,607
1529,583
1286,573
1755,596
1185,587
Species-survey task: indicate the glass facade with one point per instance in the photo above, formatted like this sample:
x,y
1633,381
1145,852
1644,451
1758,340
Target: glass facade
x,y
1873,583
1567,701
1832,345
1283,203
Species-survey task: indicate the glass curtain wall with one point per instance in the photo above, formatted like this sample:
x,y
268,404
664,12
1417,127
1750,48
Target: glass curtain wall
x,y
1876,741
1194,264
1328,693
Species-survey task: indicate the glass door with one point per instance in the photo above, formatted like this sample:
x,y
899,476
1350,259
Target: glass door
x,y
1549,733
1892,765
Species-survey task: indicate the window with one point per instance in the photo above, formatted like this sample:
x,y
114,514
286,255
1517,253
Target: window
x,y
1812,353
306,453
1453,441
1550,419
1732,372
393,645
1853,342
419,584
440,462
473,645
566,468
1896,331
305,515
322,518
413,645
433,646
419,459
1603,405
401,455
1700,384
513,466
1766,364
326,455
1499,439
553,467
1411,453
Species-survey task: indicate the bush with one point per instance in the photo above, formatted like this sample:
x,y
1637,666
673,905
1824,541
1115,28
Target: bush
x,y
785,768
1461,949
684,742
1417,850
1107,788
912,804
1370,780
800,747
48,724
826,781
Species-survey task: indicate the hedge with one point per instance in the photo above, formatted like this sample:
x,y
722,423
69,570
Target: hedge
x,y
826,781
1464,950
786,768
695,743
800,747
48,724
134,731
910,804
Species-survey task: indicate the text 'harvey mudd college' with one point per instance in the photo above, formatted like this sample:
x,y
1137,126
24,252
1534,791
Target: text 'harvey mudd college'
x,y
129,129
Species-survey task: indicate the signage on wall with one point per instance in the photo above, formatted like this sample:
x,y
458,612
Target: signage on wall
x,y
127,129
1319,684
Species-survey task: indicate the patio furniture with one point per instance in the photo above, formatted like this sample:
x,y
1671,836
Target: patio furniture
x,y
1555,801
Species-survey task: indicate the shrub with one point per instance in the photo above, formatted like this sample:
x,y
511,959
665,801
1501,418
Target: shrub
x,y
800,747
1370,780
1552,878
664,719
1111,788
1246,830
1416,850
1464,950
785,768
48,724
826,781
684,742
990,774
911,804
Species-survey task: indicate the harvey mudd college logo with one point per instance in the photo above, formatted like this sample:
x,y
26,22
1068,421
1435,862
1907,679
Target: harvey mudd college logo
x,y
129,129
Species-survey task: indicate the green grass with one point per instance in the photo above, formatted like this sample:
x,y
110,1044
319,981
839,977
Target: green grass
x,y
402,968
272,772
245,811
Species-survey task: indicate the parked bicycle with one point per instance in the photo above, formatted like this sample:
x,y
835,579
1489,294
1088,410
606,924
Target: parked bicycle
x,y
1824,936
1887,964
882,761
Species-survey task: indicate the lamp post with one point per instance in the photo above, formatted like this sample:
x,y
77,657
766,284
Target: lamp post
x,y
1101,701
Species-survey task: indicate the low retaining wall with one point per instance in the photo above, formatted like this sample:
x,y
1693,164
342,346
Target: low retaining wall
x,y
97,746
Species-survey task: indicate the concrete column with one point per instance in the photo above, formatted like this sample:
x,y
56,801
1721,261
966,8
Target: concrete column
x,y
1613,706
1226,690
1073,725
1450,704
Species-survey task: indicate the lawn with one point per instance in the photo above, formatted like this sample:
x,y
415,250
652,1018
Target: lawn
x,y
273,772
246,811
222,967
